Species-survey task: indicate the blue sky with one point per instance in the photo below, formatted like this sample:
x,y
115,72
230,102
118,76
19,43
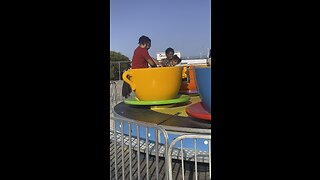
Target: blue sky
x,y
184,25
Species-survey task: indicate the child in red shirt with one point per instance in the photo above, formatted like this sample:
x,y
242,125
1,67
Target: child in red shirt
x,y
141,57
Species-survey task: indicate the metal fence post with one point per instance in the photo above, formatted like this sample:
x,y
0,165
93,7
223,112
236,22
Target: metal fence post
x,y
119,71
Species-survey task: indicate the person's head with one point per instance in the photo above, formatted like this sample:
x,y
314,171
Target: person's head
x,y
169,53
144,42
175,60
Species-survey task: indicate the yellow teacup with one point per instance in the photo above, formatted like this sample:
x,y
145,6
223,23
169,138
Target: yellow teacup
x,y
152,84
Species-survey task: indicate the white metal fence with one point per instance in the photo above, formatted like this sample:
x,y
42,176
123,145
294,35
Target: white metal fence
x,y
134,155
133,143
197,175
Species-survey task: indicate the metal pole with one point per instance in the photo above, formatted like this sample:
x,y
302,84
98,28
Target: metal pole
x,y
115,149
182,160
119,71
195,157
138,152
130,158
147,152
157,154
122,150
209,158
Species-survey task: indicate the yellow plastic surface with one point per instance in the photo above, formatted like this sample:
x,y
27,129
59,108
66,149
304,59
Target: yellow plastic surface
x,y
179,110
150,84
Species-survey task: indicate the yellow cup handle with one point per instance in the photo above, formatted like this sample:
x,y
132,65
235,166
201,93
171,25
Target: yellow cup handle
x,y
125,78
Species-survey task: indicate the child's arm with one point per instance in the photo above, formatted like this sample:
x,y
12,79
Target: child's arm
x,y
150,60
163,64
152,63
156,62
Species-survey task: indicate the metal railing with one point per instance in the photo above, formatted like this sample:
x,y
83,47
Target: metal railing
x,y
119,69
136,156
115,95
181,138
134,141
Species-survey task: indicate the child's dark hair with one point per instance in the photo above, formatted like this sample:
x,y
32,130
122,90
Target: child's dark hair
x,y
169,50
144,40
175,57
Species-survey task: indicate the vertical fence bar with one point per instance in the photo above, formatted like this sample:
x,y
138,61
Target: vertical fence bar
x,y
122,151
147,153
138,152
119,71
157,154
159,136
111,95
209,143
130,158
115,150
115,93
195,157
182,160
110,162
166,139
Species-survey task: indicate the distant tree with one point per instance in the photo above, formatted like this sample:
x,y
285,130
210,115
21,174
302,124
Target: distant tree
x,y
117,56
112,72
114,67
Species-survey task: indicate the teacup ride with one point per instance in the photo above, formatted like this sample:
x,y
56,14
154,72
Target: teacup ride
x,y
188,84
202,110
157,101
155,86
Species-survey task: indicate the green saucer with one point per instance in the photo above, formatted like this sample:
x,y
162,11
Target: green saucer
x,y
136,101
